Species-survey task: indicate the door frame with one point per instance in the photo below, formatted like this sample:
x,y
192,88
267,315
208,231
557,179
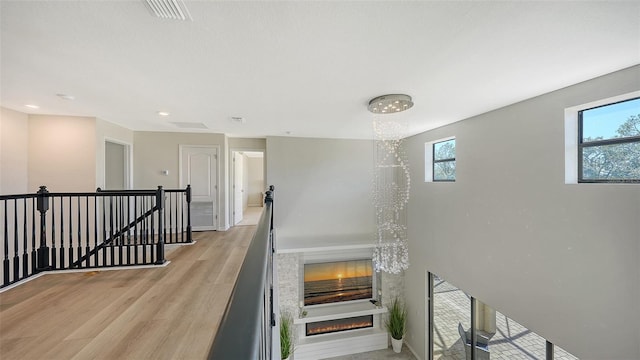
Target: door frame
x,y
182,185
128,162
232,175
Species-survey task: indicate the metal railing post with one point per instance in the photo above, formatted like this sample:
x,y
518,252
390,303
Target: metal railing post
x,y
160,245
189,213
43,251
268,198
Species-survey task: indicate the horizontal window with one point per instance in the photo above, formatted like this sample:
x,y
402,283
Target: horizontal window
x,y
609,142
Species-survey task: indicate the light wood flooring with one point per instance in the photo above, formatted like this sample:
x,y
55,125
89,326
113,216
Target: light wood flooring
x,y
171,312
251,216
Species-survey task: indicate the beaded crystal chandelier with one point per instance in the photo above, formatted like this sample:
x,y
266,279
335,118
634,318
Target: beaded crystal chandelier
x,y
391,183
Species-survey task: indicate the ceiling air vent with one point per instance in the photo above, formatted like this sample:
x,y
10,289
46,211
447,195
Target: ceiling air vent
x,y
190,125
168,9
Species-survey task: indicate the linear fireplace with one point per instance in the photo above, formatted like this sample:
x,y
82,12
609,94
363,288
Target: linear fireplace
x,y
331,326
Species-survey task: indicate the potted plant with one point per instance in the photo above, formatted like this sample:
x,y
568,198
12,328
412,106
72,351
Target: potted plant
x,y
286,336
396,324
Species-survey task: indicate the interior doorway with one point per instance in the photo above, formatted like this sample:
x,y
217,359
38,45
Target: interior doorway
x,y
247,179
117,165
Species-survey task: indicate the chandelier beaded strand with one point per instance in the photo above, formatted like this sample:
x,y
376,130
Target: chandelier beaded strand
x,y
392,183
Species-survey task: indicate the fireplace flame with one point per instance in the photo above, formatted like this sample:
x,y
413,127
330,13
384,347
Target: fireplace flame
x,y
324,327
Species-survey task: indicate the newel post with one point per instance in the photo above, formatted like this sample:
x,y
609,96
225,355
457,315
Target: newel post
x,y
43,250
160,245
268,198
189,213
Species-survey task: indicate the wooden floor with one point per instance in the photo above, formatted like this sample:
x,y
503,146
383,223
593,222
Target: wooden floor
x,y
251,216
160,313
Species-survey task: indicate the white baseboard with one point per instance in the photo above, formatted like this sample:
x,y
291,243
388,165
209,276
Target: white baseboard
x,y
59,272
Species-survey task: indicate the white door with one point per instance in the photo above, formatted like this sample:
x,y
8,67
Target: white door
x,y
238,191
199,168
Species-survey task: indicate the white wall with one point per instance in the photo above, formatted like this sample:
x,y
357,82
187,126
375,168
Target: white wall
x,y
62,153
115,166
563,260
322,186
112,132
255,181
14,149
247,144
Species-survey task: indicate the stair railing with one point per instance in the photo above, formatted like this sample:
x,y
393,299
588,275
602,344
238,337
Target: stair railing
x,y
63,231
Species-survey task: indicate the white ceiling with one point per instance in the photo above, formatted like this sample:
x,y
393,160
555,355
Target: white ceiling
x,y
303,68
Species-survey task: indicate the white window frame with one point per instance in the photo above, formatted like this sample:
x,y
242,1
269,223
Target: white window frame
x,y
428,159
571,134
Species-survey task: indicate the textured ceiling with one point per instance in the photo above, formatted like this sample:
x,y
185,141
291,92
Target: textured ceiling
x,y
303,68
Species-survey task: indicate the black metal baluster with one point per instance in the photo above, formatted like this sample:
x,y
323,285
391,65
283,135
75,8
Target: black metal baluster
x,y
86,224
25,241
16,250
34,254
62,250
119,238
153,235
170,220
135,229
54,256
127,238
95,230
111,233
115,238
125,235
70,231
143,230
79,225
5,261
123,242
104,231
123,238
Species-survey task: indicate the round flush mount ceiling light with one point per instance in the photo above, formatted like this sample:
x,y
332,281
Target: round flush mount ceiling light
x,y
32,106
391,103
163,113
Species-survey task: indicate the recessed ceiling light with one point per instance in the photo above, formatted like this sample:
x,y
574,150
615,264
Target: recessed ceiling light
x,y
32,106
163,113
238,119
66,96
